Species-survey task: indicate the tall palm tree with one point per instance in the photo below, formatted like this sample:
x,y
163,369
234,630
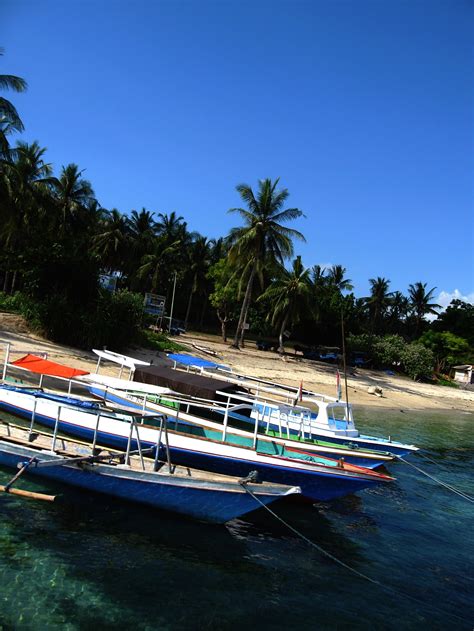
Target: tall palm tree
x,y
198,265
379,299
26,196
156,264
335,276
262,240
73,194
289,297
10,121
170,225
420,302
111,241
142,228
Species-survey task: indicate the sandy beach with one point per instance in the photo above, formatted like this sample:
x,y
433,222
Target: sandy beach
x,y
398,392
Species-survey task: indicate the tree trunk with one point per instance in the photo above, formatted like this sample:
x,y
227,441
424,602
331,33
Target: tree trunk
x,y
281,348
203,313
15,276
188,310
5,282
223,321
243,312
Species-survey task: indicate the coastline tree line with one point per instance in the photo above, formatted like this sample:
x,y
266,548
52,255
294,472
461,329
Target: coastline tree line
x,y
56,239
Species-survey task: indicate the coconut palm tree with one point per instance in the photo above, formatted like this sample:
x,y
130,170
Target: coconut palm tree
x,y
156,264
112,240
26,198
198,266
262,240
73,195
10,121
335,276
289,297
379,299
420,303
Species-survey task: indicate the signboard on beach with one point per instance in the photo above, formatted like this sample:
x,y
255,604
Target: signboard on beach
x,y
154,304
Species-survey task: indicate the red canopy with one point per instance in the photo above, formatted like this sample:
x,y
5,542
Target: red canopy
x,y
45,367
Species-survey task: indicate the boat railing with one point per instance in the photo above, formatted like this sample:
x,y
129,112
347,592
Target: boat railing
x,y
134,429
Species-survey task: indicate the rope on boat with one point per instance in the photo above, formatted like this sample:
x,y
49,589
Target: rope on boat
x,y
447,486
351,569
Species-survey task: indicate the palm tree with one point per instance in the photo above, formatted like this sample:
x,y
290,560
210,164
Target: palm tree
x,y
379,299
9,118
154,265
142,228
73,194
420,302
198,266
111,241
26,196
262,240
289,297
170,226
335,276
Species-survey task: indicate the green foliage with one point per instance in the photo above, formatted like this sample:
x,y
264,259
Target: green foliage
x,y
363,343
448,349
388,350
21,304
417,361
159,342
414,359
459,319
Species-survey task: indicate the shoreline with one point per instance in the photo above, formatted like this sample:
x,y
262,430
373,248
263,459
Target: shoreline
x,y
399,393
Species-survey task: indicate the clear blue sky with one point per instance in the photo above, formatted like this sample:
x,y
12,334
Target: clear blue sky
x,y
363,108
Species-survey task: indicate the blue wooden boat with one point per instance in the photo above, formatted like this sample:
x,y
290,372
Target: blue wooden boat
x,y
198,494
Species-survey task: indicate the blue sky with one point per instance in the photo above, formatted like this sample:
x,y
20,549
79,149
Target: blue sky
x,y
362,108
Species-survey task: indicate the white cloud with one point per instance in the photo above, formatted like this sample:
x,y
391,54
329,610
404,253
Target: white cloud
x,y
446,297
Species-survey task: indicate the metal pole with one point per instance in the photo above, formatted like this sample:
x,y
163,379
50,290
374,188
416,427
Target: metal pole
x,y
127,455
344,363
33,414
172,303
7,358
226,419
256,431
56,425
96,431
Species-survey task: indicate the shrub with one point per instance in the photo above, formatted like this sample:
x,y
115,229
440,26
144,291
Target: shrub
x,y
388,350
418,361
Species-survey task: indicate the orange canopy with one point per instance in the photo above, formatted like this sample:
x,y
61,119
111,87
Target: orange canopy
x,y
45,367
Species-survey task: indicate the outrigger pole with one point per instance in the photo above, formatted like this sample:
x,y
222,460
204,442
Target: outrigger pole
x,y
344,362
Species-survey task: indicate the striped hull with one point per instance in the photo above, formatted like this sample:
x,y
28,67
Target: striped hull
x,y
362,459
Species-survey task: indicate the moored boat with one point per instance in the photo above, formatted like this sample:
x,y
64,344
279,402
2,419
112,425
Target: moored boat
x,y
198,494
188,412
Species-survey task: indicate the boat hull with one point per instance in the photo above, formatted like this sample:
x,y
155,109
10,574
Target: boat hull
x,y
193,499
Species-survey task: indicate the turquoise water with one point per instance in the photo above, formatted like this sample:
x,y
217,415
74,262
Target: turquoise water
x,y
91,561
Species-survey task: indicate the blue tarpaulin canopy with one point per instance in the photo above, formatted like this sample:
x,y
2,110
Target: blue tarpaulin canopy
x,y
197,362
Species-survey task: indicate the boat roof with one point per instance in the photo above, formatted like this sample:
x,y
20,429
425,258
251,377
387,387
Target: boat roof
x,y
188,383
124,384
196,362
36,364
117,358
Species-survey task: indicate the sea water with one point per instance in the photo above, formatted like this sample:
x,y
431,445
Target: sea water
x,y
95,562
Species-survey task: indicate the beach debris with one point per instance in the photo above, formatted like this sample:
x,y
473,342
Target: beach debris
x,y
376,390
